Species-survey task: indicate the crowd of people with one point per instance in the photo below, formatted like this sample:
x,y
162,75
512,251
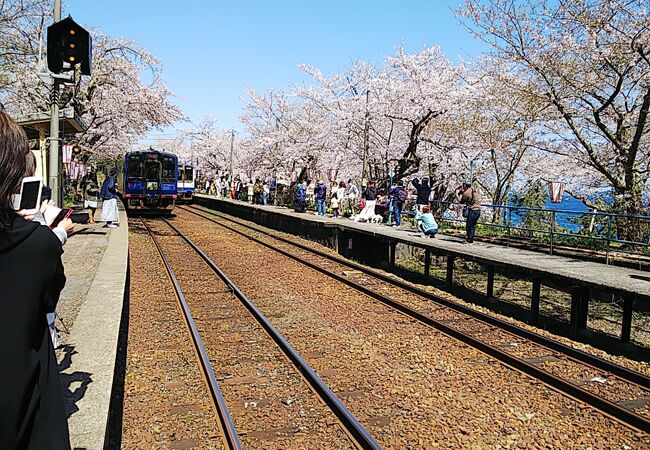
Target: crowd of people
x,y
256,192
361,205
413,199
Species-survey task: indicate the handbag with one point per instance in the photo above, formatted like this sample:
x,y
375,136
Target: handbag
x,y
465,211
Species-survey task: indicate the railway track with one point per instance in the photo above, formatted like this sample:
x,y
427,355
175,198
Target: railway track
x,y
231,439
617,392
204,298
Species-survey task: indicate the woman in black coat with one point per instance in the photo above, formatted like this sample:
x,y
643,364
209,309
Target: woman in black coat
x,y
424,190
32,413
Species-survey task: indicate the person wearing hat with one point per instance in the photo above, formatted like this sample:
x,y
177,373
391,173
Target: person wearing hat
x,y
469,197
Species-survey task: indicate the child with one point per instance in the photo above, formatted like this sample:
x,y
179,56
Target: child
x,y
334,203
426,223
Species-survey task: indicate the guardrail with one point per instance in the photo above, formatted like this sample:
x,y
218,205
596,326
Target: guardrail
x,y
626,233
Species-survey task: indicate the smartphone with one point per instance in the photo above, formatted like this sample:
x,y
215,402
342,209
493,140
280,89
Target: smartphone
x,y
63,214
53,215
29,199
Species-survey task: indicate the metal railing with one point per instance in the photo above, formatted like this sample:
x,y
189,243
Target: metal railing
x,y
628,233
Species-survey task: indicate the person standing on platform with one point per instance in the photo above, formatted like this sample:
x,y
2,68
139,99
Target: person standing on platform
x,y
249,190
300,197
423,190
398,196
334,204
338,196
32,412
370,196
469,197
257,192
309,191
90,189
224,187
234,192
241,191
265,193
110,214
320,192
351,197
426,222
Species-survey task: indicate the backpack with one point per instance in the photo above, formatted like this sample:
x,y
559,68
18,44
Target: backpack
x,y
402,195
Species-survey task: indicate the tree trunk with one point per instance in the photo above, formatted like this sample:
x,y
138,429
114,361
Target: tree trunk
x,y
628,202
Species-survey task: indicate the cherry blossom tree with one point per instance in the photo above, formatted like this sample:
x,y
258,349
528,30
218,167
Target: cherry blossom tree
x,y
123,99
325,124
498,131
23,24
588,61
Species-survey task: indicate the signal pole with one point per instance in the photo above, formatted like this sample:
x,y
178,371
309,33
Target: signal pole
x,y
54,163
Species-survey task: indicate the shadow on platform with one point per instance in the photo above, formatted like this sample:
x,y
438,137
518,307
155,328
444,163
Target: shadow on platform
x,y
74,384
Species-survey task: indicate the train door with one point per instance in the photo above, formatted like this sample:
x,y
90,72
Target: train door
x,y
169,180
152,175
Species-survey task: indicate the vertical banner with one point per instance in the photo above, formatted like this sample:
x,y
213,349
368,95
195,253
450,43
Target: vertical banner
x,y
556,191
66,153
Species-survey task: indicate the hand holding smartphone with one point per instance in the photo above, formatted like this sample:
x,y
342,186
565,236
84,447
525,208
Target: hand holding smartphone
x,y
53,215
29,199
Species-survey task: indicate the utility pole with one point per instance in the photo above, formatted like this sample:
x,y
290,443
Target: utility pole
x,y
55,181
364,178
232,144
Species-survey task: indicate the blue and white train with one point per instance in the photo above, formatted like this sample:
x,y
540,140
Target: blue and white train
x,y
149,180
186,181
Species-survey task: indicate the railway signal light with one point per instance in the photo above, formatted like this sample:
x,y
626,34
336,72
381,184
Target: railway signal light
x,y
76,152
68,43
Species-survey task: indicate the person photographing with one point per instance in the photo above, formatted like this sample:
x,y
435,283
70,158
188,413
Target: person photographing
x,y
32,277
471,198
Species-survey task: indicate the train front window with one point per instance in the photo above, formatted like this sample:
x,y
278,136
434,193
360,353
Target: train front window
x,y
136,167
168,168
152,171
188,173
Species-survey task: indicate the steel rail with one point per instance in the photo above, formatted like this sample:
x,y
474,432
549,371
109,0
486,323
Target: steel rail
x,y
576,354
225,421
605,406
359,434
573,353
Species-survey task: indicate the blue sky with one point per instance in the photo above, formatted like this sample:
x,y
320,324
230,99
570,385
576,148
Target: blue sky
x,y
213,50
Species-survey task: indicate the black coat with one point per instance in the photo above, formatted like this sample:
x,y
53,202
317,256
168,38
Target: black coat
x,y
320,191
370,193
424,190
32,412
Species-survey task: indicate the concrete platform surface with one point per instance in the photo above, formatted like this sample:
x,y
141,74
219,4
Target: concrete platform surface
x,y
96,261
624,281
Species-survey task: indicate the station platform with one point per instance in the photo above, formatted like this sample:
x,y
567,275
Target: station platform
x,y
95,260
376,244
